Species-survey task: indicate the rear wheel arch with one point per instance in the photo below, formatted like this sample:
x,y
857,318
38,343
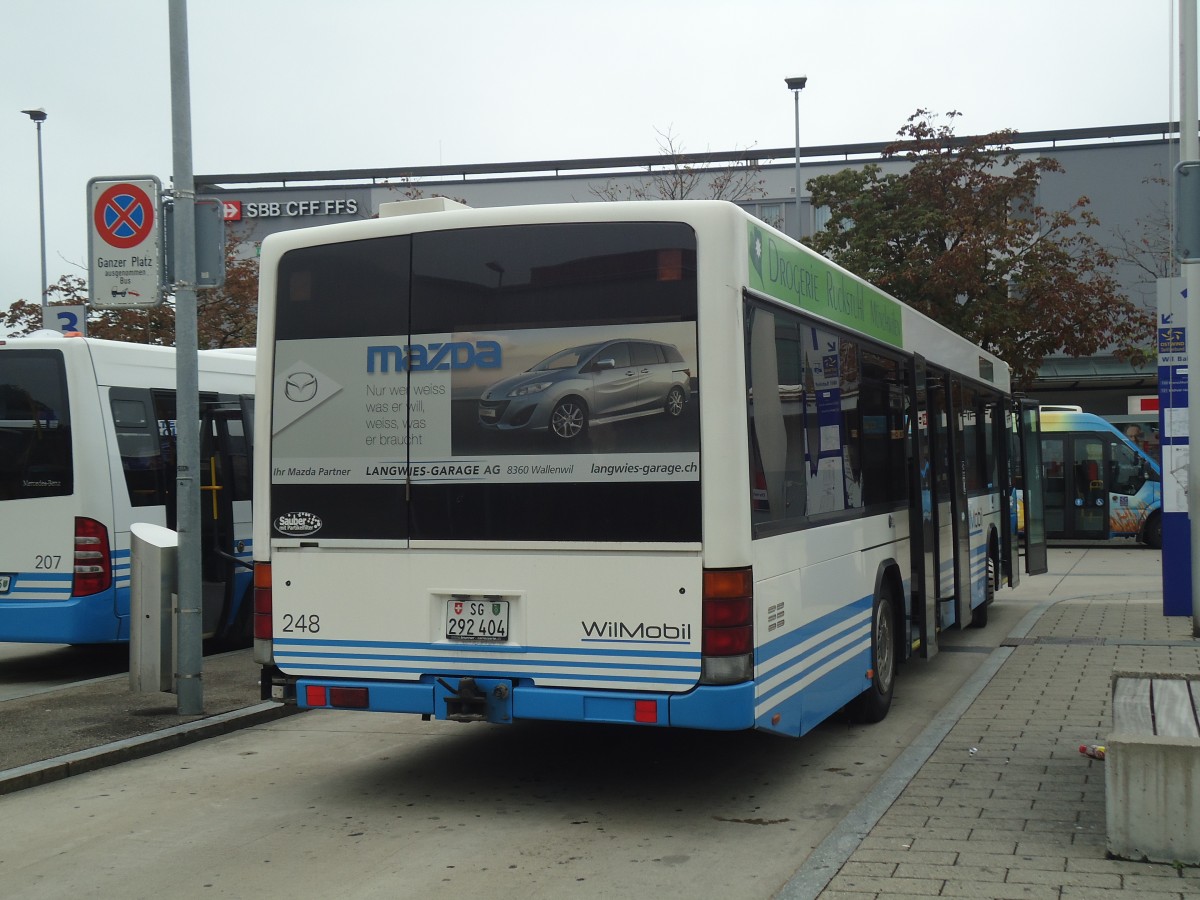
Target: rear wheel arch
x,y
1151,534
979,615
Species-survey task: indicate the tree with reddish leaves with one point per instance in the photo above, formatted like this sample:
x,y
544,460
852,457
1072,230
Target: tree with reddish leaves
x,y
959,236
225,316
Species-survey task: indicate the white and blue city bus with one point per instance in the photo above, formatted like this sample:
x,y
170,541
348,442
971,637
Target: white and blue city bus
x,y
87,447
650,463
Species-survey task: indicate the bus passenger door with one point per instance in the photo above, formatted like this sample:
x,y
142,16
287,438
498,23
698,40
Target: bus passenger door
x,y
941,478
960,552
1010,484
1088,494
922,523
224,516
1036,493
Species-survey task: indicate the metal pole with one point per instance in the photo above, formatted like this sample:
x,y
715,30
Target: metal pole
x,y
39,116
1189,149
189,626
799,224
796,85
42,219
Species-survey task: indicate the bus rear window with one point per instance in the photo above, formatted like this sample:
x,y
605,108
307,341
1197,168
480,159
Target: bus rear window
x,y
35,425
478,384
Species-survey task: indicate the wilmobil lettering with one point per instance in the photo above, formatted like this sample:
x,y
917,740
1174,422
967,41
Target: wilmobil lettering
x,y
642,631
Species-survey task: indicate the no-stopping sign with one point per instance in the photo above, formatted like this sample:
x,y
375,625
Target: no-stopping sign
x,y
124,256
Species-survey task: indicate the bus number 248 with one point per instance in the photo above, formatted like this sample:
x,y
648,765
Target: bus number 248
x,y
310,623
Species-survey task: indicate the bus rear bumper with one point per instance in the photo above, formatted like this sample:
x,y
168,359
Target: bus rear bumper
x,y
710,707
80,620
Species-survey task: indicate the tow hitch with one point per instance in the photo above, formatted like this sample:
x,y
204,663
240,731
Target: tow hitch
x,y
476,699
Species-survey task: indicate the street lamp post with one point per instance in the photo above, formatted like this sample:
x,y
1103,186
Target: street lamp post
x,y
796,85
39,116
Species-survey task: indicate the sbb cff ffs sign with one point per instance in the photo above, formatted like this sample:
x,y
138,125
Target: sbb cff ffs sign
x,y
236,210
124,252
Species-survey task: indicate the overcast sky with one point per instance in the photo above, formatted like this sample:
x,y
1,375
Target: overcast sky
x,y
286,85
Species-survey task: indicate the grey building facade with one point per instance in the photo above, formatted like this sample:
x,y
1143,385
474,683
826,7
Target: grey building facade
x,y
1124,171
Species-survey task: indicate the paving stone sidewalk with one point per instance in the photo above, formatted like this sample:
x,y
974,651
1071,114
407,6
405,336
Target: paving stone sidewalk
x,y
1006,806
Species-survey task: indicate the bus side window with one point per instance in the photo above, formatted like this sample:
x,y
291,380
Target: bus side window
x,y
1127,471
148,476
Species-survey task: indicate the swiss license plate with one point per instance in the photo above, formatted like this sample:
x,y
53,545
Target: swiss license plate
x,y
487,412
5,583
476,618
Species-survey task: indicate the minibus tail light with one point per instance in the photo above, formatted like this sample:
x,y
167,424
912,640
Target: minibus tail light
x,y
93,562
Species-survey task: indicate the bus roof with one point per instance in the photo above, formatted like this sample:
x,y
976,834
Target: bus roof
x,y
721,220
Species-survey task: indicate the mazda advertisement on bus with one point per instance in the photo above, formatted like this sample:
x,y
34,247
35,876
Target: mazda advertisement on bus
x,y
571,404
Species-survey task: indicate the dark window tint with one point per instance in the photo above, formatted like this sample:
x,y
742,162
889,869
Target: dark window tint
x,y
238,452
643,354
547,276
344,290
979,420
827,422
496,279
145,428
882,422
225,453
35,425
553,276
1127,471
146,433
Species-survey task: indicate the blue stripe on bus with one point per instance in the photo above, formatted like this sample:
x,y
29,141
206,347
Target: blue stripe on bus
x,y
489,648
39,587
622,665
532,676
831,637
44,576
480,661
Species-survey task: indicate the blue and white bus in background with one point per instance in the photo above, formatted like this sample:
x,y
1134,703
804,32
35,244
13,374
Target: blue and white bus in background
x,y
706,514
87,447
1097,483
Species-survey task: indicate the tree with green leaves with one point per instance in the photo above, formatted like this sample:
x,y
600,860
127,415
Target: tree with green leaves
x,y
225,316
958,235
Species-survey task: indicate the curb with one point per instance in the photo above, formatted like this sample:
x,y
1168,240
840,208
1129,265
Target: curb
x,y
77,763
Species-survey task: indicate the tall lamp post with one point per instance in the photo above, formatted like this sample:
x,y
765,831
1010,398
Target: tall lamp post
x,y
39,116
796,85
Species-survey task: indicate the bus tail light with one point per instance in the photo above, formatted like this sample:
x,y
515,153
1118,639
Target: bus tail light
x,y
263,619
727,633
93,562
316,695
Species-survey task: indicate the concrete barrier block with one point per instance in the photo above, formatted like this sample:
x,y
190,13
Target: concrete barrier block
x,y
1152,793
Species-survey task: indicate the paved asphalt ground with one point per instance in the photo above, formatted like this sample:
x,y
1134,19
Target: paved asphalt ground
x,y
993,800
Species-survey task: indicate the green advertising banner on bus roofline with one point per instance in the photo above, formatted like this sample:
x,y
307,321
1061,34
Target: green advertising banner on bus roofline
x,y
811,283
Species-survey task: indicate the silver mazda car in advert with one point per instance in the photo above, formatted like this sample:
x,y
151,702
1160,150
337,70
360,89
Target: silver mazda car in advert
x,y
593,384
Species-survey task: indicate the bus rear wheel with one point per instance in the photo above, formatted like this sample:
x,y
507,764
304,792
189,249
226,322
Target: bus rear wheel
x,y
872,705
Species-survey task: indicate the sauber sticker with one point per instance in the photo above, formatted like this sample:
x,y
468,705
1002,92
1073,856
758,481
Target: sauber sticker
x,y
298,524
